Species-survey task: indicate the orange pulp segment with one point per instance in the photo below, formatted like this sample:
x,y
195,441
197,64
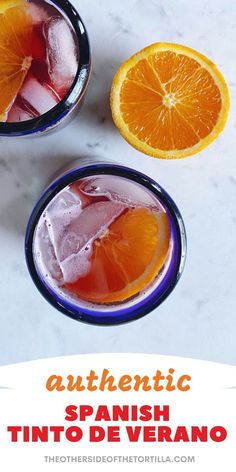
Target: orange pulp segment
x,y
6,4
15,53
169,101
126,258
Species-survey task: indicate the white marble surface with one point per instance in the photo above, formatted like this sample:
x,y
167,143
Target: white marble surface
x,y
199,318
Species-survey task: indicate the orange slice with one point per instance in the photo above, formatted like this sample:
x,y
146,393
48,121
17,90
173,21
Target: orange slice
x,y
127,258
169,101
6,4
15,53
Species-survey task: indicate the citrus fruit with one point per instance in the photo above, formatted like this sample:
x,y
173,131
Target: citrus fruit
x,y
6,4
15,53
169,101
126,258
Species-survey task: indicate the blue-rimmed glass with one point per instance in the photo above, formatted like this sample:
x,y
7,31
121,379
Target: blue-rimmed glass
x,y
119,313
74,98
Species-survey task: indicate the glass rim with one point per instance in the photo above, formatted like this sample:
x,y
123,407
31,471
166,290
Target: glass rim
x,y
139,308
54,116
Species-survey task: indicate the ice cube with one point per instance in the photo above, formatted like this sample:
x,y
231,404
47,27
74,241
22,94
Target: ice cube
x,y
76,265
45,254
61,53
67,233
60,214
38,14
39,97
118,189
91,222
76,245
66,202
86,199
17,114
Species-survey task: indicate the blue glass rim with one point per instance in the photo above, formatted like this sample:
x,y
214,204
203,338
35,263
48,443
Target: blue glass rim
x,y
139,308
53,117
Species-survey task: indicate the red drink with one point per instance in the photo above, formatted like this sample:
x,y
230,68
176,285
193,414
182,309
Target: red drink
x,y
105,244
103,239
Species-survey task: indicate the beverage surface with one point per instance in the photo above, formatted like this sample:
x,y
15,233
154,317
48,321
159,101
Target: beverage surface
x,y
103,239
39,56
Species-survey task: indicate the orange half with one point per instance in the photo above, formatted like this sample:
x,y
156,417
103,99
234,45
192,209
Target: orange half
x,y
169,101
126,258
15,52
